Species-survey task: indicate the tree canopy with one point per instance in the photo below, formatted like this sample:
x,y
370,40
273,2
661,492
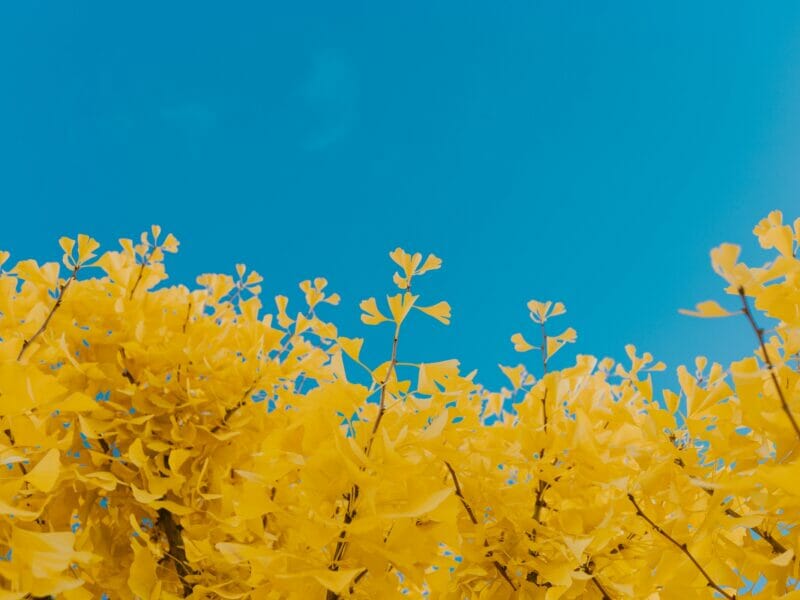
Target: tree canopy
x,y
168,442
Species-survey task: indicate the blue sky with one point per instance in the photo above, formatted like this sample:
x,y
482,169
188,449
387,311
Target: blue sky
x,y
586,152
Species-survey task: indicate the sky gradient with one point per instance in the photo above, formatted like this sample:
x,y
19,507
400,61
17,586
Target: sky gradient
x,y
576,152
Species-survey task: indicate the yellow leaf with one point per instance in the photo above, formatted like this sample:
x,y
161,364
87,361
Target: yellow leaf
x,y
558,309
170,243
144,497
136,453
371,316
86,248
431,263
556,342
539,310
439,311
707,309
67,245
142,578
77,402
420,505
514,375
45,474
784,558
351,346
400,305
520,345
558,573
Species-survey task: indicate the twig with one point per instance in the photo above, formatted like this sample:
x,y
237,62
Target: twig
x,y
230,411
588,568
350,511
760,334
777,547
145,262
501,568
682,547
382,402
61,291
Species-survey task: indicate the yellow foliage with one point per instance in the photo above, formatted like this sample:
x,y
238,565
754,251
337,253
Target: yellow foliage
x,y
167,442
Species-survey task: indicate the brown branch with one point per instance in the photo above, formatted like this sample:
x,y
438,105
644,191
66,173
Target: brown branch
x,y
682,547
777,547
588,568
382,402
501,568
539,503
350,511
772,372
177,552
230,411
544,350
59,299
145,263
460,494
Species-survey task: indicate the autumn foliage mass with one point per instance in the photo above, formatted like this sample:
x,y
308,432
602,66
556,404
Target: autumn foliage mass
x,y
161,441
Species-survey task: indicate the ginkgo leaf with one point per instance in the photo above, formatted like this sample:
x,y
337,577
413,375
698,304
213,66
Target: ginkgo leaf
x,y
556,342
709,308
400,305
371,314
426,502
351,346
86,248
520,345
514,374
143,577
439,311
45,474
432,262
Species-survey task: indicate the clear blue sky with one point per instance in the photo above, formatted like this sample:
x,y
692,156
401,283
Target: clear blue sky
x,y
586,152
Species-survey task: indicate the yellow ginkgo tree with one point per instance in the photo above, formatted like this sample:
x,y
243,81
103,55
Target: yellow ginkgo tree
x,y
173,442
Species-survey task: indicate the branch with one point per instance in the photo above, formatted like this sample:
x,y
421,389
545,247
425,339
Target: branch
x,y
350,511
501,568
145,262
176,550
382,402
682,547
588,568
61,291
760,335
230,411
777,547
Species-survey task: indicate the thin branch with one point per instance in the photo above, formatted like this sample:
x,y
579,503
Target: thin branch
x,y
350,511
230,411
382,402
543,485
544,350
772,372
176,549
460,494
501,568
777,547
588,568
600,587
59,299
145,263
682,547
